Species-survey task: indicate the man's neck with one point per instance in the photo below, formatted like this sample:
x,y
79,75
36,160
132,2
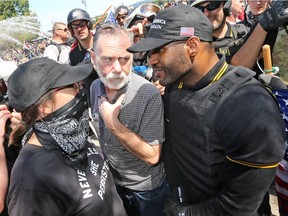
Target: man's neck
x,y
110,93
58,40
87,43
221,31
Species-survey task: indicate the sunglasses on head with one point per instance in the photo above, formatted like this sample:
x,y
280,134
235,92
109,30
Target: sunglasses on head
x,y
81,24
210,7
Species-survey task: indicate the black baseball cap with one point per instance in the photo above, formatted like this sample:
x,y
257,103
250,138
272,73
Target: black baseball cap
x,y
31,80
175,24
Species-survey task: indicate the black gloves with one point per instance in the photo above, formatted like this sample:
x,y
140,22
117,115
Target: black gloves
x,y
172,208
275,16
274,82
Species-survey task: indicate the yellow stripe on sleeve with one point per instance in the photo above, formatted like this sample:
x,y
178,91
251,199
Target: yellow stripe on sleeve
x,y
254,165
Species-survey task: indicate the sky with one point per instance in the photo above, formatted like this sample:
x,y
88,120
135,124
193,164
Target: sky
x,y
50,11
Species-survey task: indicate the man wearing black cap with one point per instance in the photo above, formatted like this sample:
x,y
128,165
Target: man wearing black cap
x,y
227,37
224,134
242,45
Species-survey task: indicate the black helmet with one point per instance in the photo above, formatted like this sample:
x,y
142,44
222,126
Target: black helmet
x,y
78,14
121,9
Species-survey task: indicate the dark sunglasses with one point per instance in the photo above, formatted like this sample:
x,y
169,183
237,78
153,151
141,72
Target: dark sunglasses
x,y
210,7
81,24
65,29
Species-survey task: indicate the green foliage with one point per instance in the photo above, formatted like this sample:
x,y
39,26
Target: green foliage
x,y
23,24
160,2
13,8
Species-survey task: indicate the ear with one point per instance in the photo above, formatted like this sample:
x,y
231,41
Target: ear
x,y
92,54
193,45
46,108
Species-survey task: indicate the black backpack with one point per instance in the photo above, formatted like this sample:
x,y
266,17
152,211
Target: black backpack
x,y
58,47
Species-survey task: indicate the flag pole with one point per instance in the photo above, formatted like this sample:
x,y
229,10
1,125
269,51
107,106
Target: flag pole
x,y
102,17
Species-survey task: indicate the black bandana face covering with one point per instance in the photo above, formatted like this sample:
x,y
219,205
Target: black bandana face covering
x,y
65,131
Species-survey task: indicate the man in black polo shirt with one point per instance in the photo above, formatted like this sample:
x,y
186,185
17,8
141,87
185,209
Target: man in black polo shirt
x,y
224,132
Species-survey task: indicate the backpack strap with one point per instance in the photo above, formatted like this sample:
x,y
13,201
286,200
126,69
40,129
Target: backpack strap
x,y
58,48
232,79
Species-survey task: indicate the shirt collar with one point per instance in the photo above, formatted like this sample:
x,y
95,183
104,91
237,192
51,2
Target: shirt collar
x,y
213,75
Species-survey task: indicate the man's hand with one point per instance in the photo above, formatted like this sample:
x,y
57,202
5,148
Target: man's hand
x,y
15,119
275,16
172,208
4,116
159,87
110,112
274,82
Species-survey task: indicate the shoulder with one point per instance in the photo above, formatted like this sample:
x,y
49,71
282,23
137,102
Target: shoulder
x,y
74,46
95,85
141,85
51,48
239,30
33,167
250,123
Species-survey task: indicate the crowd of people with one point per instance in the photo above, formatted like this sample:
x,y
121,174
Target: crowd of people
x,y
29,50
179,101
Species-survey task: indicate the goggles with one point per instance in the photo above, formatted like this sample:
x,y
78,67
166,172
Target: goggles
x,y
80,24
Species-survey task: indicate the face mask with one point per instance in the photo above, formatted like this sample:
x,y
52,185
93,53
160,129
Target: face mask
x,y
65,131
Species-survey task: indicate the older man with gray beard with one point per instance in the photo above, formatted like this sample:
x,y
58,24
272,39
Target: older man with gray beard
x,y
128,118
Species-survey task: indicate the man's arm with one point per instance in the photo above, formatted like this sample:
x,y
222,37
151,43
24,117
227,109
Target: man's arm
x,y
251,128
269,21
4,116
242,193
130,140
247,55
4,175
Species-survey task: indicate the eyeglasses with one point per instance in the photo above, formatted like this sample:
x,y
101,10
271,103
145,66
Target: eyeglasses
x,y
81,24
210,7
65,29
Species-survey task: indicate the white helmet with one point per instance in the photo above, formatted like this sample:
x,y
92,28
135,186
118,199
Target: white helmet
x,y
148,11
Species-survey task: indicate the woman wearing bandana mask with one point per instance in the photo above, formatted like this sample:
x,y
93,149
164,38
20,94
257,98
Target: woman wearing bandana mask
x,y
58,172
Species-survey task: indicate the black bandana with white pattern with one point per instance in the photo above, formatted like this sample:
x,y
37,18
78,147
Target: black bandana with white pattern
x,y
65,131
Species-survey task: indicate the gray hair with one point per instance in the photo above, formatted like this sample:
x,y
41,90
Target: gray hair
x,y
110,29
